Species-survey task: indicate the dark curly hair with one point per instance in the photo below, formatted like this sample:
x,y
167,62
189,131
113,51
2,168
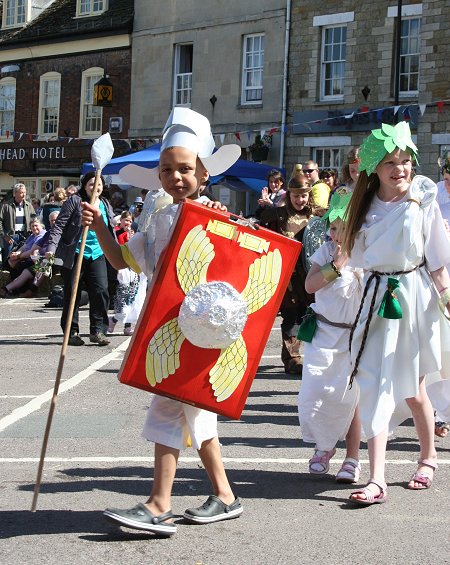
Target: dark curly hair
x,y
87,177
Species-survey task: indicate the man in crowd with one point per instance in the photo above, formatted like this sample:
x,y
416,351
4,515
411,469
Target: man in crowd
x,y
15,218
320,189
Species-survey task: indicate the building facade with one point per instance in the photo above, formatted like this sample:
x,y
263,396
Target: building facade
x,y
52,53
224,60
354,64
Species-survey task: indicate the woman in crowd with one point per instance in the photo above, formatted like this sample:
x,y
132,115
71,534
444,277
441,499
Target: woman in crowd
x,y
64,243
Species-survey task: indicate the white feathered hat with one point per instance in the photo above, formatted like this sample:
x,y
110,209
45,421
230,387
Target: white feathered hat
x,y
189,129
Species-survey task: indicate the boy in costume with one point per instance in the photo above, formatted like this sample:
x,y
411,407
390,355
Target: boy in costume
x,y
185,164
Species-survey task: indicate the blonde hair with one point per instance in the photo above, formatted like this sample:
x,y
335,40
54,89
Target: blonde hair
x,y
59,194
358,207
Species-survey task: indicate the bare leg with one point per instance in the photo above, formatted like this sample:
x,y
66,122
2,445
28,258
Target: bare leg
x,y
24,276
166,459
377,459
212,460
353,437
423,415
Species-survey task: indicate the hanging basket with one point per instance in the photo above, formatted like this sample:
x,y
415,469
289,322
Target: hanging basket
x,y
260,154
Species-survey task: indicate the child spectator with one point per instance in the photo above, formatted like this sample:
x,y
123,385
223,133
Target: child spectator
x,y
185,164
123,230
327,408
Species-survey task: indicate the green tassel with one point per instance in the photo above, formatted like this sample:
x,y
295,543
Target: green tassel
x,y
308,326
390,306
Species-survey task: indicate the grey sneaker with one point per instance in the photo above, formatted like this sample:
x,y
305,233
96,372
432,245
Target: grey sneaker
x,y
140,518
99,339
213,510
75,339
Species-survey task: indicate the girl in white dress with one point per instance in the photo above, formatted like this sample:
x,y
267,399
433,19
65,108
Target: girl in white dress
x,y
327,407
395,231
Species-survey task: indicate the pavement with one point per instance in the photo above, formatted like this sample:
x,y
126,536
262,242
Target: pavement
x,y
96,458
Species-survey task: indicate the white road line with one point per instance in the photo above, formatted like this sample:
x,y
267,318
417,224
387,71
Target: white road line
x,y
37,402
15,336
260,460
36,318
18,396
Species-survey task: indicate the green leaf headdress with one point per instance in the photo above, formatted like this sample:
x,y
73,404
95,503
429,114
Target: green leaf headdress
x,y
383,141
338,206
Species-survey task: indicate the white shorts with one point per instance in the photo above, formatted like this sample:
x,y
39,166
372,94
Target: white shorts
x,y
171,422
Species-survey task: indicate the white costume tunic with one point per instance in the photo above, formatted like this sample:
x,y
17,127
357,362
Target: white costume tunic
x,y
399,236
169,422
325,403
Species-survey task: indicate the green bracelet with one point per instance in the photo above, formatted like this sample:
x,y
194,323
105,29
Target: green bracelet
x,y
329,273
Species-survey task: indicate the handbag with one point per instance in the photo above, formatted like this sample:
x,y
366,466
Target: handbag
x,y
308,326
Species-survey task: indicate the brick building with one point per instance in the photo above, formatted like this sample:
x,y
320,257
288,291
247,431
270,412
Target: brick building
x,y
51,55
343,81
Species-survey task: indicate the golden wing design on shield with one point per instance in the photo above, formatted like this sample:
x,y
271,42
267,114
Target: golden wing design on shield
x,y
263,278
229,369
194,257
163,352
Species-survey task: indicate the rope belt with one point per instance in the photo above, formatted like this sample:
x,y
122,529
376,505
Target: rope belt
x,y
377,276
334,324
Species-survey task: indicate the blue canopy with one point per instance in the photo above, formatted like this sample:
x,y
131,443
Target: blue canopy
x,y
243,175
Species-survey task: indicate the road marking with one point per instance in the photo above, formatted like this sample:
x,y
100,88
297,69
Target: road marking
x,y
18,396
280,460
38,401
37,318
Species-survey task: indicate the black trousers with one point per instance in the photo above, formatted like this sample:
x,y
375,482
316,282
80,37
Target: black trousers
x,y
94,275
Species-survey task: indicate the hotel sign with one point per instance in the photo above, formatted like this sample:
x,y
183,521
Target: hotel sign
x,y
33,153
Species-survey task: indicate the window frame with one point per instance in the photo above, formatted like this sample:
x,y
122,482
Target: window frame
x,y
15,23
335,157
92,76
45,79
8,81
245,87
186,89
325,63
408,56
91,12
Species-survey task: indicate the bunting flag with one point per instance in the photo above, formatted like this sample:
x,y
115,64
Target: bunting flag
x,y
402,110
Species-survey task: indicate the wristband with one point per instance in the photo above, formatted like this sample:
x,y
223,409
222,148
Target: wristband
x,y
329,272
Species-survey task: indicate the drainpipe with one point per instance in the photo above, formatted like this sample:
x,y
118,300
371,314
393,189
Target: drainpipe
x,y
285,81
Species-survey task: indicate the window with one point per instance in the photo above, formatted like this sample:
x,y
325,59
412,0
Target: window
x,y
7,105
183,75
91,7
334,43
409,56
49,96
14,13
90,115
328,157
252,69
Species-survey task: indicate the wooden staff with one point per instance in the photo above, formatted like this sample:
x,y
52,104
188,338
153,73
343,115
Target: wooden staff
x,y
101,153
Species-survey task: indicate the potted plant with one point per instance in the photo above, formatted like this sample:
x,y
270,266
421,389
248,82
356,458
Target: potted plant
x,y
260,148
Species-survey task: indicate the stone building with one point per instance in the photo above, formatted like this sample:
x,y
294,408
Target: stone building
x,y
225,60
51,55
343,79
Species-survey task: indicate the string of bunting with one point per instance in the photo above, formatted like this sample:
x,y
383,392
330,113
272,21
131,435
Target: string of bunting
x,y
241,136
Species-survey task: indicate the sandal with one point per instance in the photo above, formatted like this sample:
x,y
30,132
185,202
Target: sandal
x,y
349,471
441,429
319,463
371,498
424,479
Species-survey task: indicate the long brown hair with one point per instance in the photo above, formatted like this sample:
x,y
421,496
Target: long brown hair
x,y
358,207
300,182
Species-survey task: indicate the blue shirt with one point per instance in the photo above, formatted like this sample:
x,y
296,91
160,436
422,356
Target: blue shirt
x,y
92,249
